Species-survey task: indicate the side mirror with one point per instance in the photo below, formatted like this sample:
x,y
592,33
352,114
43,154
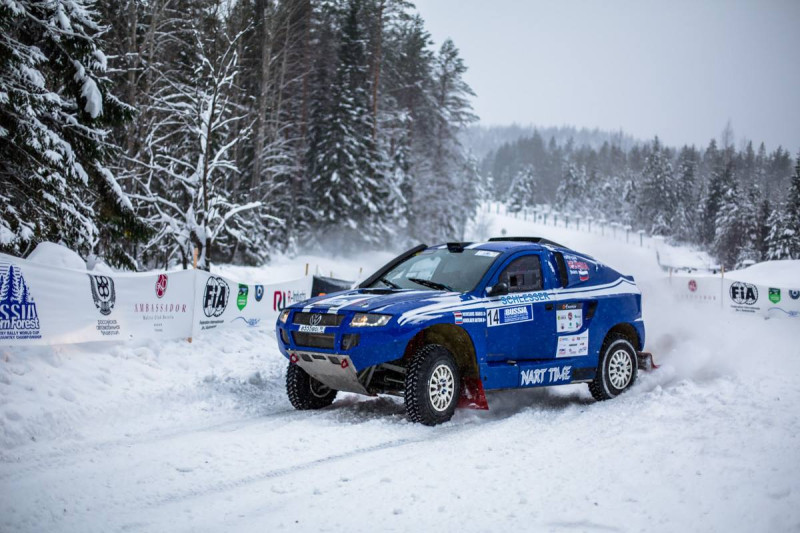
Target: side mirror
x,y
497,290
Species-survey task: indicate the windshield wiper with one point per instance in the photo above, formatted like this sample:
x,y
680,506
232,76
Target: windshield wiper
x,y
432,284
391,284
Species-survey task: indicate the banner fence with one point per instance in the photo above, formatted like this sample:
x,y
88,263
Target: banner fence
x,y
43,305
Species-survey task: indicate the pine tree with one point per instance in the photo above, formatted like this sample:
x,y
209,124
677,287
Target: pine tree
x,y
730,229
658,193
572,190
684,225
344,169
522,190
783,240
55,108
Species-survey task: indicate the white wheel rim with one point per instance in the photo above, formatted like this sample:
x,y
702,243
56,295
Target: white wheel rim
x,y
441,387
620,369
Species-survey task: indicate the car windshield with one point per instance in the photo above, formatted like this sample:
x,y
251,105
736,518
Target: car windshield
x,y
439,269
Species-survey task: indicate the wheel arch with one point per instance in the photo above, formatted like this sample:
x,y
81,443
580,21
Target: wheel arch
x,y
455,339
628,331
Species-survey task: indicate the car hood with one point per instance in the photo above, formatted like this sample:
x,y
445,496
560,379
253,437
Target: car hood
x,y
388,302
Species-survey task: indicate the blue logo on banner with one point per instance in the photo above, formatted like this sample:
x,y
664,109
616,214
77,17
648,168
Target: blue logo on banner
x,y
259,292
19,318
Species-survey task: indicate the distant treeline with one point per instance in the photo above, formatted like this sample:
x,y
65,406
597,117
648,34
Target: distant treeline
x,y
739,204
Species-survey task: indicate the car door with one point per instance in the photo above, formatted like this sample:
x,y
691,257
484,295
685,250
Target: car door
x,y
520,325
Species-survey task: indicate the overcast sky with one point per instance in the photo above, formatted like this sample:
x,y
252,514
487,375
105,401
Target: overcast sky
x,y
679,69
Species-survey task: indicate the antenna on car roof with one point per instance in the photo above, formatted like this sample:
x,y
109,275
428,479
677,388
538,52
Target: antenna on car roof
x,y
536,240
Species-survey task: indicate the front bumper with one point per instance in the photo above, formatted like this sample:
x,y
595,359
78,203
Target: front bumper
x,y
375,345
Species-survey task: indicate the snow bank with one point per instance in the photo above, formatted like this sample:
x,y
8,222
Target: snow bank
x,y
784,274
57,256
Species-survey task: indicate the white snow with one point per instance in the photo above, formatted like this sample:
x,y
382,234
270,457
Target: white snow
x,y
785,273
57,256
175,436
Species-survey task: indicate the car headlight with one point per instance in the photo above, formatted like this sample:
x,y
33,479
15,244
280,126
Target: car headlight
x,y
368,319
284,316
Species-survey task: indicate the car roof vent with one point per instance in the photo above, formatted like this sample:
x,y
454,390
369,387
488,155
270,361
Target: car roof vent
x,y
535,240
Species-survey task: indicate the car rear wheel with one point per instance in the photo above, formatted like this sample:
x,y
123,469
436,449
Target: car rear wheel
x,y
306,392
432,386
616,371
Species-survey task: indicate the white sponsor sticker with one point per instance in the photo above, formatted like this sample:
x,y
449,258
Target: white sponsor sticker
x,y
569,318
573,345
312,329
500,316
486,253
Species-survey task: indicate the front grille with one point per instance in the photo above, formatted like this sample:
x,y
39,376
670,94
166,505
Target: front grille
x,y
325,319
313,340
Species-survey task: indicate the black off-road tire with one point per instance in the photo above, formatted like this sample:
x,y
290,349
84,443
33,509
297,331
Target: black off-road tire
x,y
306,392
433,385
617,369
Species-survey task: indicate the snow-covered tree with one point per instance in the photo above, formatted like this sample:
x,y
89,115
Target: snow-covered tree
x,y
185,191
522,190
657,195
783,241
571,193
55,107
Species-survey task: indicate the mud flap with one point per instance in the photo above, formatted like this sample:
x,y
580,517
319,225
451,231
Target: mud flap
x,y
472,394
645,361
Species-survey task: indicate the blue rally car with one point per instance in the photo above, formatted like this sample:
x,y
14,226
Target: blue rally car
x,y
440,325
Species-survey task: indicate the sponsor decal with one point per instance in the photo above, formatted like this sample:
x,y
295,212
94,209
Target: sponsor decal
x,y
103,293
241,297
524,298
215,297
569,317
19,318
573,345
469,317
259,292
282,299
312,329
500,316
161,285
743,293
486,253
249,322
546,376
105,296
577,267
774,295
692,285
794,294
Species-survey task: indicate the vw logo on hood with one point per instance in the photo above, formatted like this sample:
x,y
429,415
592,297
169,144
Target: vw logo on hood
x,y
315,319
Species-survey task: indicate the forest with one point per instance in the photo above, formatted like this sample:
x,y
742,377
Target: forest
x,y
142,131
741,204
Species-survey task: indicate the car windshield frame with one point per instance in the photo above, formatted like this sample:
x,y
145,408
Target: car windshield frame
x,y
460,271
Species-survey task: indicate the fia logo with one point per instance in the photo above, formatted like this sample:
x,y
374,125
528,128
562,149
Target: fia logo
x,y
743,293
161,285
215,296
103,293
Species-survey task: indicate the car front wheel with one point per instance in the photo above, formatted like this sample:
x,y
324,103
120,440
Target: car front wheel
x,y
306,392
432,386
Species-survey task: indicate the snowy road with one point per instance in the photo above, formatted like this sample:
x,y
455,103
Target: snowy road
x,y
199,437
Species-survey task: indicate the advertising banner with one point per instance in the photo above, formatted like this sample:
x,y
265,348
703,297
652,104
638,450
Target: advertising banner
x,y
45,305
221,302
762,300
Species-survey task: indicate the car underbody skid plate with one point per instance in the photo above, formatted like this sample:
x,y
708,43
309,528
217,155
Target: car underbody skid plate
x,y
334,371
